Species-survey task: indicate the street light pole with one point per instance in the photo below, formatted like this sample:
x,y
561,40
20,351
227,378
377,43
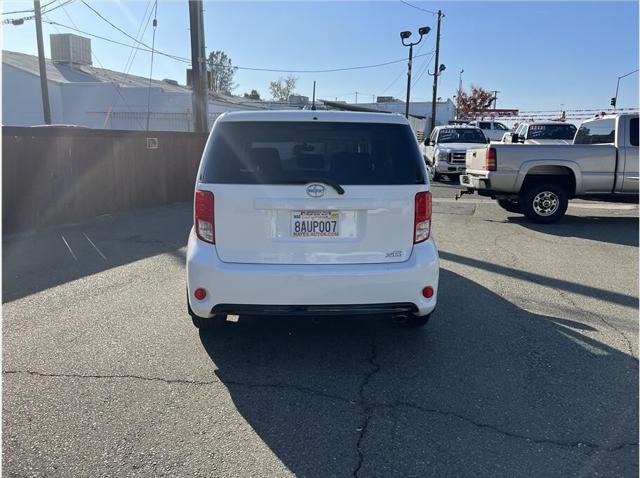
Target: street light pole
x,y
403,36
406,106
614,100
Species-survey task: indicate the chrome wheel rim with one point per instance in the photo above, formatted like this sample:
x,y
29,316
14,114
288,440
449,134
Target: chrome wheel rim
x,y
546,203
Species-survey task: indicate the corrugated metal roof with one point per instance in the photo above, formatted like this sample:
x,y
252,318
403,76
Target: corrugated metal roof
x,y
63,73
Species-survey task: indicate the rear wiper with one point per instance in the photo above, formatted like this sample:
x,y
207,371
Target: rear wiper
x,y
339,189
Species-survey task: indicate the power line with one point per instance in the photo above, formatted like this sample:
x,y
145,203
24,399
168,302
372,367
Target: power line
x,y
134,46
114,25
276,70
147,49
331,70
424,70
186,60
29,11
418,8
20,21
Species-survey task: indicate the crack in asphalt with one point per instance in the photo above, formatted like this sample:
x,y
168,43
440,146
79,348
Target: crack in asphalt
x,y
113,376
227,383
544,441
368,407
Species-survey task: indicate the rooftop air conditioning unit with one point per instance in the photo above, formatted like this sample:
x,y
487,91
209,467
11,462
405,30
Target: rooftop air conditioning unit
x,y
70,48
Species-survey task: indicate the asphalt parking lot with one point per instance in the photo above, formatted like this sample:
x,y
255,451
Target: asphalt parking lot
x,y
528,367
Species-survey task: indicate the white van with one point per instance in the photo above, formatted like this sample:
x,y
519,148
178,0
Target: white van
x,y
310,213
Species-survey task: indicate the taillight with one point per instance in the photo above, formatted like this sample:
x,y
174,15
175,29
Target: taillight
x,y
422,221
491,163
203,216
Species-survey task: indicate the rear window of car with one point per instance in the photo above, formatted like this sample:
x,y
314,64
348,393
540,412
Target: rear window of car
x,y
597,132
276,152
551,131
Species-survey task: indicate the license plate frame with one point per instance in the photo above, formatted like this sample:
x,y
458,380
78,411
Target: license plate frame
x,y
315,224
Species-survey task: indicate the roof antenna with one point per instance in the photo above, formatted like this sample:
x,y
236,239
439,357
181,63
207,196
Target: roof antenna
x,y
313,101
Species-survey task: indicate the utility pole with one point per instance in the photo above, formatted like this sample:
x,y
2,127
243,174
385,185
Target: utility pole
x,y
495,98
44,85
356,97
200,104
313,101
435,75
458,94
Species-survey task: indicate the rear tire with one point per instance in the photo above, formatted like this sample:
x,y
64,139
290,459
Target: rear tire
x,y
544,203
510,205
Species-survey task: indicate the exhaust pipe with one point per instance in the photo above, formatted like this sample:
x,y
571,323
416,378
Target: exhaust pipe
x,y
400,318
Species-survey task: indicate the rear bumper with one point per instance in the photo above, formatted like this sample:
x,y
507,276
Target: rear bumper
x,y
489,182
311,289
475,182
316,310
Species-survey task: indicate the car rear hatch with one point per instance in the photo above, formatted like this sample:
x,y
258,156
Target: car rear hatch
x,y
313,192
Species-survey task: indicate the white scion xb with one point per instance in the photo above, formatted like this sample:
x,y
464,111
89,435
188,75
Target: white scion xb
x,y
312,213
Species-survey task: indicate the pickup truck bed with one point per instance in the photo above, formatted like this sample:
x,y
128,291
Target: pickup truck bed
x,y
539,180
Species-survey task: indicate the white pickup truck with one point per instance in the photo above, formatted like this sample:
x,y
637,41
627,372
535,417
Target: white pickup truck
x,y
445,150
493,130
539,180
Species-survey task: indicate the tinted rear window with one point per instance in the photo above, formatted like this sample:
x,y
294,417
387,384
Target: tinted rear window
x,y
281,152
597,132
551,131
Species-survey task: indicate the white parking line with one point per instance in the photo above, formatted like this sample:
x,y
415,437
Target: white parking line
x,y
69,247
95,247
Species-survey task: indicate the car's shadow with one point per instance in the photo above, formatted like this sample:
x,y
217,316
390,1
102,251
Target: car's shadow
x,y
487,388
621,230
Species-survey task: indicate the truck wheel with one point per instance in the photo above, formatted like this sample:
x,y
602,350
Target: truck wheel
x,y
510,205
544,202
435,176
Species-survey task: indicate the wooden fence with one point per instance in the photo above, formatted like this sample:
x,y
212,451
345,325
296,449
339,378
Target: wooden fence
x,y
57,175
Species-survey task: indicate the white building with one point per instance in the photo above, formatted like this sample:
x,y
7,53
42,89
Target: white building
x,y
445,110
81,94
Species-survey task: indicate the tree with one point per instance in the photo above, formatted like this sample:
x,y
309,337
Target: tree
x,y
222,72
282,88
254,95
474,103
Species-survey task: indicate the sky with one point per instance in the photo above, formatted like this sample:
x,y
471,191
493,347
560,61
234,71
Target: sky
x,y
539,55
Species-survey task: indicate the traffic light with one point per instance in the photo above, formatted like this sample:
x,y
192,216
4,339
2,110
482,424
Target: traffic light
x,y
613,101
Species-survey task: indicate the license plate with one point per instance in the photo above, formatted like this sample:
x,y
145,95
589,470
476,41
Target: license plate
x,y
315,223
